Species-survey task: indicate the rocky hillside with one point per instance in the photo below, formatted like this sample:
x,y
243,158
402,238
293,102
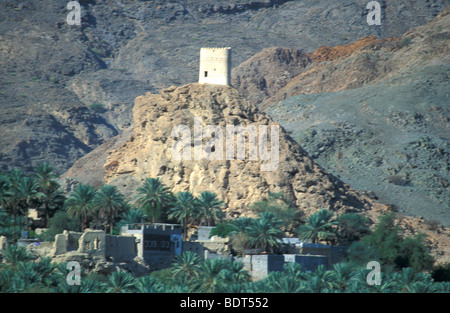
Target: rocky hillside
x,y
377,116
126,160
372,111
65,90
148,153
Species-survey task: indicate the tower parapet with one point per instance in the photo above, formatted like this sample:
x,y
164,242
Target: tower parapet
x,y
215,66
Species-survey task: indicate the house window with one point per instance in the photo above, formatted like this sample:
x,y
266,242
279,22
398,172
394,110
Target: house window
x,y
206,73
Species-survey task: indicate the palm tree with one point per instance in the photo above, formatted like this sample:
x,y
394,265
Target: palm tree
x,y
285,284
120,282
228,273
5,186
210,208
6,277
277,203
153,196
408,277
52,198
241,224
109,203
149,284
319,226
183,209
132,216
423,287
388,283
186,266
28,193
88,286
210,278
442,287
26,277
265,232
46,270
23,194
294,271
80,203
15,175
45,175
51,201
6,228
13,255
239,235
342,275
6,200
319,281
236,273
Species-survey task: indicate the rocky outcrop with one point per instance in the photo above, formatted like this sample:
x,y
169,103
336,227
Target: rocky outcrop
x,y
238,182
261,76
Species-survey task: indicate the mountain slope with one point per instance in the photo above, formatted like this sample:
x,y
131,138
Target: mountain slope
x,y
147,153
76,84
378,118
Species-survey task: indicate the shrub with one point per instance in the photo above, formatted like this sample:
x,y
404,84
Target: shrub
x,y
353,226
413,253
58,223
441,272
97,106
405,42
386,244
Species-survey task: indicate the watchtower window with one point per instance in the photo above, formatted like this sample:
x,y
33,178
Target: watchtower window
x,y
206,73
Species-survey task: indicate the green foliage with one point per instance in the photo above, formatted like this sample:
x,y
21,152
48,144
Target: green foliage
x,y
265,232
120,282
186,266
52,197
209,208
109,203
386,244
320,226
277,204
405,42
441,272
153,196
131,216
58,223
6,228
353,226
385,238
12,255
183,208
413,253
189,273
217,275
404,260
99,52
97,106
80,203
222,230
26,276
18,193
150,284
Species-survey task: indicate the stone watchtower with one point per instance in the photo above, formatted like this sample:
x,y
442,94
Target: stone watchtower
x,y
215,66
